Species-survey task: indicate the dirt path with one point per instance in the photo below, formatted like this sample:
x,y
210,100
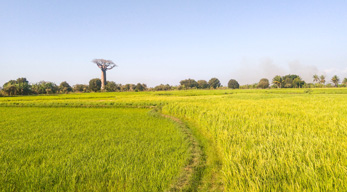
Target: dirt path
x,y
191,175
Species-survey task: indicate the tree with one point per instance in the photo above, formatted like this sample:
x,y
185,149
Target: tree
x,y
202,84
289,81
322,79
189,83
278,81
335,79
111,86
162,87
298,82
80,88
45,87
316,78
64,87
104,65
17,87
263,83
233,84
214,83
140,87
95,84
344,81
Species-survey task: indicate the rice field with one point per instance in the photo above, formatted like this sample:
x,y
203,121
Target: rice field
x,y
88,149
251,140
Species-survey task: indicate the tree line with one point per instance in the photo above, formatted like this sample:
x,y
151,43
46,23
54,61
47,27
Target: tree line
x,y
21,86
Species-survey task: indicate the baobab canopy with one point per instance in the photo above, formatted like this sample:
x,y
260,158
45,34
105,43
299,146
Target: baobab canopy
x,y
104,65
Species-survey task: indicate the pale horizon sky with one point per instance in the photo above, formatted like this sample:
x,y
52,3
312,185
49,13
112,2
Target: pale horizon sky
x,y
163,42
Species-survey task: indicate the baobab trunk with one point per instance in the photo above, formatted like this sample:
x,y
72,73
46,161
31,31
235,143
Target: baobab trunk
x,y
104,65
103,79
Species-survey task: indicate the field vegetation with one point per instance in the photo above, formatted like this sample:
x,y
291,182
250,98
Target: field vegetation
x,y
251,140
88,149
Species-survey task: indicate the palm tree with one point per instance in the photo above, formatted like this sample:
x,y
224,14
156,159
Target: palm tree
x,y
316,78
277,80
344,81
335,80
322,79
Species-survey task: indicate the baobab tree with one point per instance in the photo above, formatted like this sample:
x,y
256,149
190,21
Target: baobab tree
x,y
104,65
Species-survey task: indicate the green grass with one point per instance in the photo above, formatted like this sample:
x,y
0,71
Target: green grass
x,y
77,149
253,140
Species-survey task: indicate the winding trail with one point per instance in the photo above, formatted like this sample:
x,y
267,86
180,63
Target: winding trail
x,y
191,175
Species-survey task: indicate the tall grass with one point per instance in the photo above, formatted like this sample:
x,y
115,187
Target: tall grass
x,y
76,149
254,140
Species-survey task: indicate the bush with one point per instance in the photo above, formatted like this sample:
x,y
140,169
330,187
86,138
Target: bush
x,y
202,84
189,83
233,84
214,83
80,88
64,87
111,86
95,84
263,83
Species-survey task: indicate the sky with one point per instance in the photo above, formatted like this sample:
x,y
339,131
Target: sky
x,y
163,42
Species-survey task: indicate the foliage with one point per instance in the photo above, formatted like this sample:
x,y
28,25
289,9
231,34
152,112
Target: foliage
x,y
233,84
344,81
45,87
64,87
278,81
80,88
162,87
288,81
17,87
322,79
140,87
263,83
214,83
95,84
335,79
111,86
202,84
189,83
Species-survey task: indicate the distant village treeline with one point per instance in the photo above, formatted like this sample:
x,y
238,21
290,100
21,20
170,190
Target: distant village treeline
x,y
21,86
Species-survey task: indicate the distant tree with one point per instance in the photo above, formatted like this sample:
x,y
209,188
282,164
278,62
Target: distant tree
x,y
64,87
202,84
128,87
10,90
316,78
189,83
344,81
263,83
162,87
322,79
278,81
23,86
95,84
111,86
45,87
233,84
289,81
214,83
17,87
298,82
104,65
80,88
140,87
335,79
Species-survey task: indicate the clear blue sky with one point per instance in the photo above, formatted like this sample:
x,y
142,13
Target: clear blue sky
x,y
157,42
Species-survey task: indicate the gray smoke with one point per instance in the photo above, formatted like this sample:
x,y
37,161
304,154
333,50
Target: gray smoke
x,y
249,73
